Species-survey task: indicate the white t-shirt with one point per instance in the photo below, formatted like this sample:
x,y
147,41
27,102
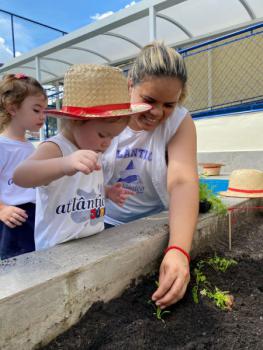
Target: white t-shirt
x,y
70,207
12,153
137,159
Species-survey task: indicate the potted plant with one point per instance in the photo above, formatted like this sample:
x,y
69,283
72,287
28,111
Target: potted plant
x,y
204,204
209,201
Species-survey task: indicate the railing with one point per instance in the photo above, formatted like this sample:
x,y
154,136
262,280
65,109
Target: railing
x,y
16,20
226,73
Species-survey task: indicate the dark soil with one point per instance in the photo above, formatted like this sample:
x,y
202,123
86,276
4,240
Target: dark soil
x,y
128,322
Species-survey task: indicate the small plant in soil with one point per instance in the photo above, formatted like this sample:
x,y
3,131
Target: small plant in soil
x,y
200,280
222,299
158,311
220,264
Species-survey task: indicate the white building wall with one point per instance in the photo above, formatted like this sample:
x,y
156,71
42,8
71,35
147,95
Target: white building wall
x,y
237,132
236,141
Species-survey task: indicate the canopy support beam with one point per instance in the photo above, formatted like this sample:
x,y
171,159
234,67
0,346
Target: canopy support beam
x,y
119,36
152,24
248,9
38,77
180,26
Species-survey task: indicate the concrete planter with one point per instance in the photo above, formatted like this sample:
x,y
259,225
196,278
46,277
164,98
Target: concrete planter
x,y
42,294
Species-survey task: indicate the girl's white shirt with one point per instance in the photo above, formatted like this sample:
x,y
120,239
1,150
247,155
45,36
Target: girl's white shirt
x,y
12,153
137,159
70,207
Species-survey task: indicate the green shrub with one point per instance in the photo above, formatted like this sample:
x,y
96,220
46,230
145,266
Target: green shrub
x,y
217,206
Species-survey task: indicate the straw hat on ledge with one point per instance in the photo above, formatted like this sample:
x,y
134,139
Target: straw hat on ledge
x,y
246,183
96,91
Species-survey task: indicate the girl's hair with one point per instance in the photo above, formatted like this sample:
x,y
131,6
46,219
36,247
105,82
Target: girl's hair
x,y
14,88
159,60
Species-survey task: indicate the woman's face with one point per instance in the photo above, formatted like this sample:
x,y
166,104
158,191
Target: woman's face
x,y
162,94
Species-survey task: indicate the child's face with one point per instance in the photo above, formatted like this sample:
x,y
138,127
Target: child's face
x,y
96,135
30,115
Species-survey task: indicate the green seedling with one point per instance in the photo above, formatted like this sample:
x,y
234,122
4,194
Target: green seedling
x,y
222,299
220,264
200,280
158,311
195,294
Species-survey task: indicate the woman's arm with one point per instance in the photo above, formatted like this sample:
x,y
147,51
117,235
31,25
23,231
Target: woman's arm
x,y
183,189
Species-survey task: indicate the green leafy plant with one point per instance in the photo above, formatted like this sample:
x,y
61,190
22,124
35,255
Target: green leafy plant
x,y
195,294
217,206
203,191
200,280
220,264
222,299
158,311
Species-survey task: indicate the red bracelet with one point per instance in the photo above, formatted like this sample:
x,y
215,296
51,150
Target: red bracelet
x,y
180,249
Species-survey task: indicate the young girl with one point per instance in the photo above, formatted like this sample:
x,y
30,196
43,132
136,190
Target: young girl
x,y
22,104
66,168
137,159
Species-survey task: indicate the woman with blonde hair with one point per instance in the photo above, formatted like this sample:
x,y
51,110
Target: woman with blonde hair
x,y
136,159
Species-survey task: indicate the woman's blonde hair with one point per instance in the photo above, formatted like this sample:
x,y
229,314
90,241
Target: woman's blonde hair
x,y
14,88
159,60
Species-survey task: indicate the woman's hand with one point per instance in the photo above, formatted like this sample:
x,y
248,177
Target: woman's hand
x,y
12,216
174,277
118,194
84,161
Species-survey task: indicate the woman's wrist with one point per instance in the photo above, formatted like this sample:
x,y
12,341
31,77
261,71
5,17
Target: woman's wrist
x,y
176,247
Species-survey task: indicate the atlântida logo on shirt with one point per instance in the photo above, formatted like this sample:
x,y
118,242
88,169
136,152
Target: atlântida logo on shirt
x,y
84,206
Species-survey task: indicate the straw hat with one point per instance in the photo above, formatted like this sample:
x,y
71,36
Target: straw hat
x,y
92,91
211,169
245,183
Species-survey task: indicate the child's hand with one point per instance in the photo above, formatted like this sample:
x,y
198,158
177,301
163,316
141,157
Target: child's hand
x,y
84,161
12,216
118,194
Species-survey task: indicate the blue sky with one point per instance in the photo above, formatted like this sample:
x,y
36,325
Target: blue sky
x,y
66,15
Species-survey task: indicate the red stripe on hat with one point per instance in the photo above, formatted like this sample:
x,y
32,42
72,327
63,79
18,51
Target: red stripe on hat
x,y
212,166
244,191
95,109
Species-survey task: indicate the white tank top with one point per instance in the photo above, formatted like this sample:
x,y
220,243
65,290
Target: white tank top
x,y
137,160
70,207
133,170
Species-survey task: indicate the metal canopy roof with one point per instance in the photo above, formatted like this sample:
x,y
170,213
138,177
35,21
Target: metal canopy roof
x,y
118,38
